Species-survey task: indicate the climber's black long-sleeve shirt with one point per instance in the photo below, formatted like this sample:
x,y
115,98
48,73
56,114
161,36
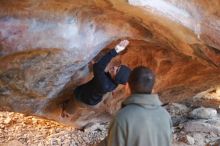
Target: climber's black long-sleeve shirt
x,y
92,92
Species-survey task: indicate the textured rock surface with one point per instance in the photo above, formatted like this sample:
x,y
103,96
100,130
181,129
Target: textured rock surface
x,y
208,98
28,130
203,113
20,130
188,131
46,50
202,17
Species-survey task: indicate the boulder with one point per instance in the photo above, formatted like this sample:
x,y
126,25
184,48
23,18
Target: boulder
x,y
203,113
178,112
207,98
47,49
177,109
203,126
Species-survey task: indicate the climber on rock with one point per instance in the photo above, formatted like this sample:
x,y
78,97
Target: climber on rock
x,y
91,93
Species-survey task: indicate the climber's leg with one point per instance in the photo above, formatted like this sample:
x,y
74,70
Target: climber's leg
x,y
70,106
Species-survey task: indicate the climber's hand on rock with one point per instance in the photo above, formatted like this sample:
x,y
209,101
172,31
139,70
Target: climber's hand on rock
x,y
121,46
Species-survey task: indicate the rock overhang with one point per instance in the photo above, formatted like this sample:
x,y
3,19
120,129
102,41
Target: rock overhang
x,y
47,49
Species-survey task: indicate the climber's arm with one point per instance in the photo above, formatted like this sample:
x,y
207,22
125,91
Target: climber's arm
x,y
103,62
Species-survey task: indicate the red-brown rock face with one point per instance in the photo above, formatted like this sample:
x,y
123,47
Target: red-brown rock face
x,y
46,48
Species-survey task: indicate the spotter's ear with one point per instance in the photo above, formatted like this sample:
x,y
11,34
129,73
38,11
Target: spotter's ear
x,y
127,89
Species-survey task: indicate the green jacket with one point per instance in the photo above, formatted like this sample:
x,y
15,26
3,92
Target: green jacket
x,y
141,122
